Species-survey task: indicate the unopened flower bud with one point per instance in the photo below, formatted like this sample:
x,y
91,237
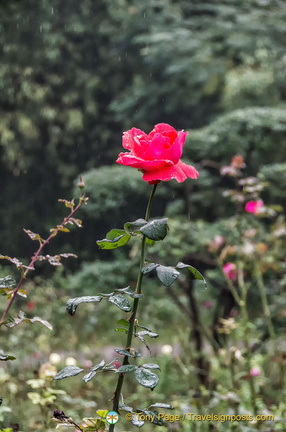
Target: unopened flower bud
x,y
81,183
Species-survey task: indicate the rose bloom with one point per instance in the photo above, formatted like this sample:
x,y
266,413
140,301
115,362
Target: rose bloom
x,y
230,271
157,154
254,206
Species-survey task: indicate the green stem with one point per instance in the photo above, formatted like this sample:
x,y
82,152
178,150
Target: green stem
x,y
132,318
264,301
267,314
248,354
230,285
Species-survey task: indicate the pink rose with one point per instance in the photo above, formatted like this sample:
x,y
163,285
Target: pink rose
x,y
157,154
230,271
254,206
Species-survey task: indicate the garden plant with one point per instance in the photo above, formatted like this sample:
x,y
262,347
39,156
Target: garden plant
x,y
230,379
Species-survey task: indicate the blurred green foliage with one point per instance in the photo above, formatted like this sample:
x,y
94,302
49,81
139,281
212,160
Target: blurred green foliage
x,y
74,76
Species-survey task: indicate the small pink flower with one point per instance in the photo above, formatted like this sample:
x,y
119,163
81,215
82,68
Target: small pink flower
x,y
230,271
217,242
255,371
31,305
254,206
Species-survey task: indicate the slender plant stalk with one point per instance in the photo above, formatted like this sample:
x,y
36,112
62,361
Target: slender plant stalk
x,y
230,285
248,354
36,255
267,314
132,318
264,301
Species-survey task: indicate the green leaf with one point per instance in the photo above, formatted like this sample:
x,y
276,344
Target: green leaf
x,y
149,242
73,303
193,270
167,275
6,357
94,424
86,378
7,282
102,413
120,329
135,421
147,333
14,261
68,371
111,366
124,407
98,366
22,318
114,233
121,302
127,369
107,294
145,328
146,378
117,242
161,405
144,341
151,366
129,292
156,229
131,227
56,259
148,268
93,371
125,352
33,236
123,322
153,415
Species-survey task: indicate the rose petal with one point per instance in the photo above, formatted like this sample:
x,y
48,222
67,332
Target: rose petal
x,y
129,159
161,148
135,140
254,206
164,129
156,148
176,140
174,152
179,172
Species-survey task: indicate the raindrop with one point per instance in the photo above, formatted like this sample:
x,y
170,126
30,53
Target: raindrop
x,y
41,29
52,11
